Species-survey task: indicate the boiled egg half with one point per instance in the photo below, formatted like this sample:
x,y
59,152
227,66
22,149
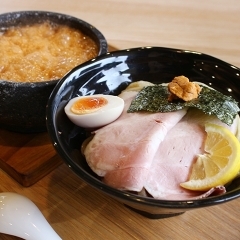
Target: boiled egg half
x,y
95,110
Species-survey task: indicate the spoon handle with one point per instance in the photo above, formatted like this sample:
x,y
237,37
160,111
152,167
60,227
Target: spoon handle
x,y
20,217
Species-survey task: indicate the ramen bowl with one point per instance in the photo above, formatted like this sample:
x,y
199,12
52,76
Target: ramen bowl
x,y
23,103
110,74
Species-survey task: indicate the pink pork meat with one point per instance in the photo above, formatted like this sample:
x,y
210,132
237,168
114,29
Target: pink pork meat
x,y
123,151
176,154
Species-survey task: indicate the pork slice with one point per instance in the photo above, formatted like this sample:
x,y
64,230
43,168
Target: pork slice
x,y
173,161
122,152
174,158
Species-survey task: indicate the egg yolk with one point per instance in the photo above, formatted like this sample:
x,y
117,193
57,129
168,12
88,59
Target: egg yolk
x,y
88,105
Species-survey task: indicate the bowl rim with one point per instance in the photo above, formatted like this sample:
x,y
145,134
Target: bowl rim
x,y
102,41
115,193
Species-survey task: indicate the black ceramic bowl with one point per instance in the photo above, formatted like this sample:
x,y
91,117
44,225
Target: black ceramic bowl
x,y
23,105
111,73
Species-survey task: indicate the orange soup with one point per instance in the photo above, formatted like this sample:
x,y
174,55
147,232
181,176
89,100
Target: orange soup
x,y
42,52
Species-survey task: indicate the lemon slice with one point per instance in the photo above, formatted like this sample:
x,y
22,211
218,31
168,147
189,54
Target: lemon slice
x,y
219,164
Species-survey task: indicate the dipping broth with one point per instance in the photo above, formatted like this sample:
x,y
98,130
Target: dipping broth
x,y
42,52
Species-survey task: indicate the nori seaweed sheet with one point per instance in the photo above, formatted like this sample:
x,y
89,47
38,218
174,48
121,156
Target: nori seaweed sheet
x,y
155,99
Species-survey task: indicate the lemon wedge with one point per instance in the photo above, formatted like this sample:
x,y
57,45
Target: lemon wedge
x,y
219,164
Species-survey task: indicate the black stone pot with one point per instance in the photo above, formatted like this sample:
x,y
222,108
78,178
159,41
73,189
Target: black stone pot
x,y
23,105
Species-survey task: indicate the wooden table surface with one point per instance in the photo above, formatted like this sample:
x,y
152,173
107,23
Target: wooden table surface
x,y
74,209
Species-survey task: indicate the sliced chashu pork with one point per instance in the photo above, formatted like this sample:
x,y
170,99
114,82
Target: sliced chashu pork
x,y
122,152
174,158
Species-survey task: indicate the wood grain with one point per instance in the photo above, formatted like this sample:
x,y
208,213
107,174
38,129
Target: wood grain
x,y
27,157
74,209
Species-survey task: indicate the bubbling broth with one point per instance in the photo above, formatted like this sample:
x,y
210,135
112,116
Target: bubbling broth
x,y
42,52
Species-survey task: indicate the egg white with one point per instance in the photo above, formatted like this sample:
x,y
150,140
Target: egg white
x,y
101,117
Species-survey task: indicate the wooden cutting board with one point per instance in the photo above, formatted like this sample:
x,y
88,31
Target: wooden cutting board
x,y
27,157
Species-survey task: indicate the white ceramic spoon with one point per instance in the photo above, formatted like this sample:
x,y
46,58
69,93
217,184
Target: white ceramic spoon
x,y
20,217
